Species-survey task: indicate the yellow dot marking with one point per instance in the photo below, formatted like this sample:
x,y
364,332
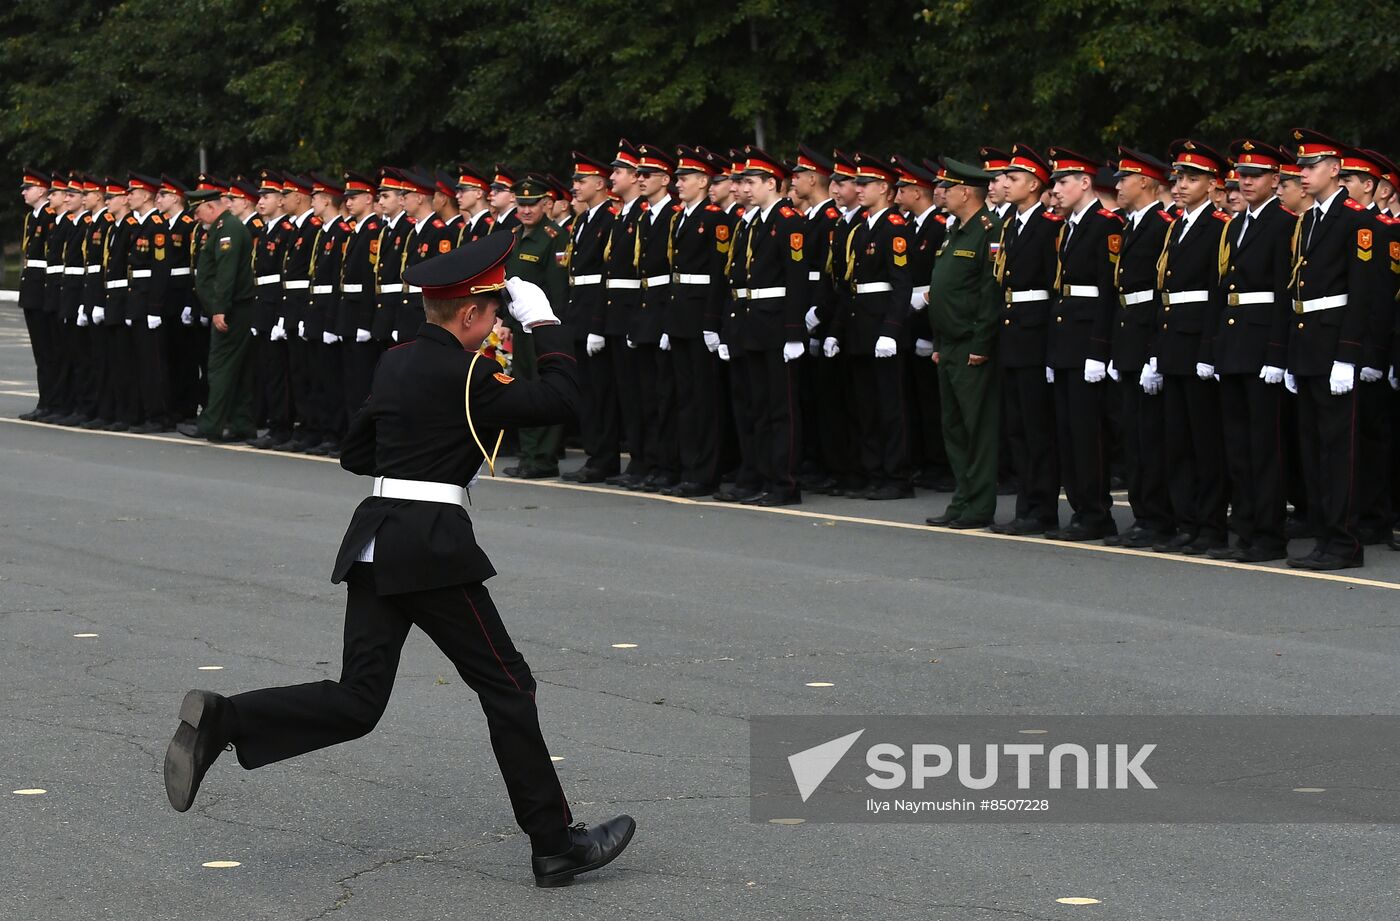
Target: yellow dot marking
x,y
84,636
1077,900
624,645
221,864
1032,732
786,821
211,668
1309,789
556,757
30,791
820,684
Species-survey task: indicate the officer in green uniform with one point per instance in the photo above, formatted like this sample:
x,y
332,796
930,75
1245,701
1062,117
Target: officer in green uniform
x,y
535,259
963,303
224,283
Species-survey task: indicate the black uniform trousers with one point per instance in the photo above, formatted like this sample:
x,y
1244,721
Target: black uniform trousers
x,y
600,416
835,433
36,322
746,476
882,423
152,378
1373,401
1143,420
1327,426
1252,414
98,374
696,372
1081,437
120,400
329,389
279,723
774,407
300,384
271,380
627,385
1028,414
1195,457
64,394
188,345
80,369
656,393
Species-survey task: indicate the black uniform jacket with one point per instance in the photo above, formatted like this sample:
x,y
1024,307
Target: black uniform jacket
x,y
413,427
1251,335
1027,261
1136,278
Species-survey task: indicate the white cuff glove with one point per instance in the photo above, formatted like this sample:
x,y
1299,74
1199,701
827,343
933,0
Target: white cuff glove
x,y
253,331
811,319
1049,375
128,321
203,320
1343,377
630,343
328,338
1271,375
187,316
885,347
82,316
711,340
361,335
923,348
814,347
1371,375
1113,373
1290,382
277,333
918,300
792,351
665,343
152,322
830,347
394,334
1394,381
595,344
99,314
528,303
1094,371
722,351
301,330
1150,381
1204,371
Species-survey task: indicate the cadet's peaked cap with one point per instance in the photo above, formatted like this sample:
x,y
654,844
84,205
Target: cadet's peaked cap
x,y
719,163
34,177
693,160
269,181
530,189
1310,146
1254,158
584,165
140,181
654,159
473,268
326,185
1104,179
558,190
242,188
994,159
1135,163
357,183
444,183
872,169
1025,160
759,163
812,161
421,183
111,187
911,173
1356,160
842,166
469,177
504,178
1065,162
1389,172
626,154
956,172
291,182
1190,154
392,179
173,185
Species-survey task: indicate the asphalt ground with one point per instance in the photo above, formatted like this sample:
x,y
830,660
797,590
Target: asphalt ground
x,y
196,565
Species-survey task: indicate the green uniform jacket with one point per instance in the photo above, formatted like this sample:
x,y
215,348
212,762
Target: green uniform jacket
x,y
536,258
964,298
224,281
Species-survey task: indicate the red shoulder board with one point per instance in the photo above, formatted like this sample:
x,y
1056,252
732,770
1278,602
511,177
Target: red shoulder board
x,y
186,219
87,218
785,211
739,211
612,209
1165,215
550,230
131,220
437,223
832,213
646,205
1221,216
160,219
676,208
943,218
712,207
1355,205
490,219
286,225
1106,213
107,216
1287,211
315,221
411,219
894,218
1050,215
1387,219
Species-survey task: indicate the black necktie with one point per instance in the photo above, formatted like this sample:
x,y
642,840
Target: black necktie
x,y
1317,219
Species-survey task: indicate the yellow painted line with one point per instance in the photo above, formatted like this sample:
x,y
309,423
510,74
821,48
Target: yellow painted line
x,y
221,864
624,645
1077,900
820,684
820,517
30,791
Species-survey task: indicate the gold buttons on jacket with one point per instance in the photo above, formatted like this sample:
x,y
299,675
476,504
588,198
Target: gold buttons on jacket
x,y
1007,321
1230,322
1300,325
1164,326
1059,319
1166,310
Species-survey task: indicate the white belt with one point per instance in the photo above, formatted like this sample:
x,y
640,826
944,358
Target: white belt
x,y
923,289
116,283
683,279
741,294
763,294
656,281
36,263
874,287
391,289
140,273
1320,303
1136,297
351,289
53,269
1030,294
182,270
419,490
814,276
627,284
322,289
1080,291
268,279
75,270
94,269
1184,297
1244,298
413,289
579,280
299,285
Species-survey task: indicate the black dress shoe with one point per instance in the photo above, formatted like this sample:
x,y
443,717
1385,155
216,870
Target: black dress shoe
x,y
1024,526
118,426
538,473
93,425
147,428
775,499
31,415
587,475
1174,544
732,493
1233,554
890,491
1076,532
201,736
942,521
1143,539
1261,555
1204,544
514,471
265,443
1325,562
662,482
969,524
689,490
189,431
592,848
72,420
642,484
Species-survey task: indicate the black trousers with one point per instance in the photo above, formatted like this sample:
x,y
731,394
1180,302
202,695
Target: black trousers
x,y
600,416
41,344
773,404
883,424
62,392
1195,454
330,388
80,369
696,371
1028,414
1373,407
273,386
120,399
1143,420
98,374
746,476
1081,436
279,723
826,378
656,391
152,378
1251,411
1327,426
189,347
627,384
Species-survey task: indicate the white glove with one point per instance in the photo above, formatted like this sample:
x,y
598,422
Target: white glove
x,y
1204,371
152,322
1150,381
1394,381
328,338
885,347
630,343
99,314
923,348
814,347
830,347
792,351
1049,375
301,330
277,333
128,321
1271,375
203,320
1343,377
253,331
711,340
722,351
665,343
1290,382
361,335
811,319
528,303
1094,371
394,335
918,300
187,316
82,316
595,344
1113,373
1368,375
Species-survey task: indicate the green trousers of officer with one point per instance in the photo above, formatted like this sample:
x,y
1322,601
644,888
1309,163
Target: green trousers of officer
x,y
230,375
539,447
970,400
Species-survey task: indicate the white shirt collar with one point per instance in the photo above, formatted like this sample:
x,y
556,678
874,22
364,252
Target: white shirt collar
x,y
769,209
1255,212
39,209
505,214
476,217
78,215
1322,206
1023,216
871,219
419,225
1136,217
394,221
690,208
594,210
1093,203
660,206
301,218
141,218
1189,218
919,221
99,212
627,205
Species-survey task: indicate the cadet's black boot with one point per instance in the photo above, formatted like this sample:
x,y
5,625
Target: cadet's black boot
x,y
206,726
592,848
